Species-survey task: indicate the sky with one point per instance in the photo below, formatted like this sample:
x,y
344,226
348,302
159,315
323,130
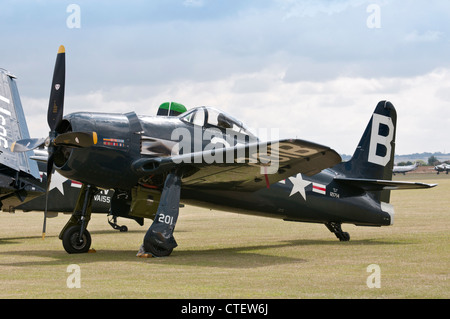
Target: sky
x,y
313,70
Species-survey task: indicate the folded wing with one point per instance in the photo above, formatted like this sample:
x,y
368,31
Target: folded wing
x,y
244,167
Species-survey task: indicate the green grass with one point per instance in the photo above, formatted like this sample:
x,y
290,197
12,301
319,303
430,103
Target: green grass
x,y
226,255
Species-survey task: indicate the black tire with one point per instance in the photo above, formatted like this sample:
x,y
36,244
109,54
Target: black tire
x,y
344,236
71,243
157,251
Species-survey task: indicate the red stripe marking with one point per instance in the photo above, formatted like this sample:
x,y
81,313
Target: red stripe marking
x,y
266,177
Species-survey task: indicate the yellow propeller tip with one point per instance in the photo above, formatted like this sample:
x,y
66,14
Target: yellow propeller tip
x,y
12,146
43,235
94,137
61,49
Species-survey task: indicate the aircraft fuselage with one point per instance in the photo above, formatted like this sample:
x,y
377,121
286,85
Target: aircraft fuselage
x,y
316,199
123,138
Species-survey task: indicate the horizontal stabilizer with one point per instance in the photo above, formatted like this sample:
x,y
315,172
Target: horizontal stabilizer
x,y
379,185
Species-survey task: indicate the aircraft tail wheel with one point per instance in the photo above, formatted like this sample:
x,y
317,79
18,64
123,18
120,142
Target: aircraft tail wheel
x,y
344,236
336,229
71,240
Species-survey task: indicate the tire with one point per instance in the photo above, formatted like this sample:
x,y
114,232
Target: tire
x,y
157,251
344,236
70,240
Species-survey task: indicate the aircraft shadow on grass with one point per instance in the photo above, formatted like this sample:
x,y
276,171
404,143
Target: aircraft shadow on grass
x,y
243,257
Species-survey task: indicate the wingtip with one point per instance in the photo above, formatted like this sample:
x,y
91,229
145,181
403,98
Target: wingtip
x,y
61,49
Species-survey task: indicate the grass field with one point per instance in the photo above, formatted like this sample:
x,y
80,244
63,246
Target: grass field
x,y
225,255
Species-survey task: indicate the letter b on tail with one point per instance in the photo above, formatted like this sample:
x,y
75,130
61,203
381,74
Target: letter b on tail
x,y
380,140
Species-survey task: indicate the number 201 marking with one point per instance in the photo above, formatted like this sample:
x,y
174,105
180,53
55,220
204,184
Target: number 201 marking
x,y
166,219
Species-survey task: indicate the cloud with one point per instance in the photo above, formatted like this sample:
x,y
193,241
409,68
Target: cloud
x,y
193,3
427,36
159,42
312,8
278,63
333,112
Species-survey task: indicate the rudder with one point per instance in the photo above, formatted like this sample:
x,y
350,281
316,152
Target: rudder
x,y
374,156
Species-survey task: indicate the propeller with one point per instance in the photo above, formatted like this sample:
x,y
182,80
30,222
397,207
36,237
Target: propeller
x,y
27,144
69,139
54,117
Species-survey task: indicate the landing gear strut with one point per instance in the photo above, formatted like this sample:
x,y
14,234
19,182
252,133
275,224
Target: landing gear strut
x,y
159,240
113,222
337,230
75,237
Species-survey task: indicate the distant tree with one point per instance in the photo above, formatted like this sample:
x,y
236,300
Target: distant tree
x,y
432,160
421,163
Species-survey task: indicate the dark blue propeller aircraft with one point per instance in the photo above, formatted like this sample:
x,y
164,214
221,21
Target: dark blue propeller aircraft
x,y
205,157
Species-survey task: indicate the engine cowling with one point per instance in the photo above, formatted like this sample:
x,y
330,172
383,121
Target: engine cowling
x,y
107,163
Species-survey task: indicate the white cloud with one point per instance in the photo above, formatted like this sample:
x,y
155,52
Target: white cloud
x,y
427,36
333,113
311,8
311,68
193,3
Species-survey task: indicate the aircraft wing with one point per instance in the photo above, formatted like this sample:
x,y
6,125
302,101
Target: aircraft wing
x,y
246,167
13,127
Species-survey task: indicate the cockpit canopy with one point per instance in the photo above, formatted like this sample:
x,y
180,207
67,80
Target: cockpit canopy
x,y
210,117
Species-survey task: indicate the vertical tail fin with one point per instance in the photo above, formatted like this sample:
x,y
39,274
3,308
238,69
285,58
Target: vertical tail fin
x,y
374,156
13,127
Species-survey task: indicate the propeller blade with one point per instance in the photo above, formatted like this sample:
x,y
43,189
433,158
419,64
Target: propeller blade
x,y
76,139
49,179
56,102
54,117
27,144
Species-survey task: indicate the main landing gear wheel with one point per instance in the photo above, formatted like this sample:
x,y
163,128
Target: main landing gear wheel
x,y
159,240
158,251
336,229
72,243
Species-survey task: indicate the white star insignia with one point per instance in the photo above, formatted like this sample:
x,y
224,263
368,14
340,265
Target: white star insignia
x,y
299,185
57,182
